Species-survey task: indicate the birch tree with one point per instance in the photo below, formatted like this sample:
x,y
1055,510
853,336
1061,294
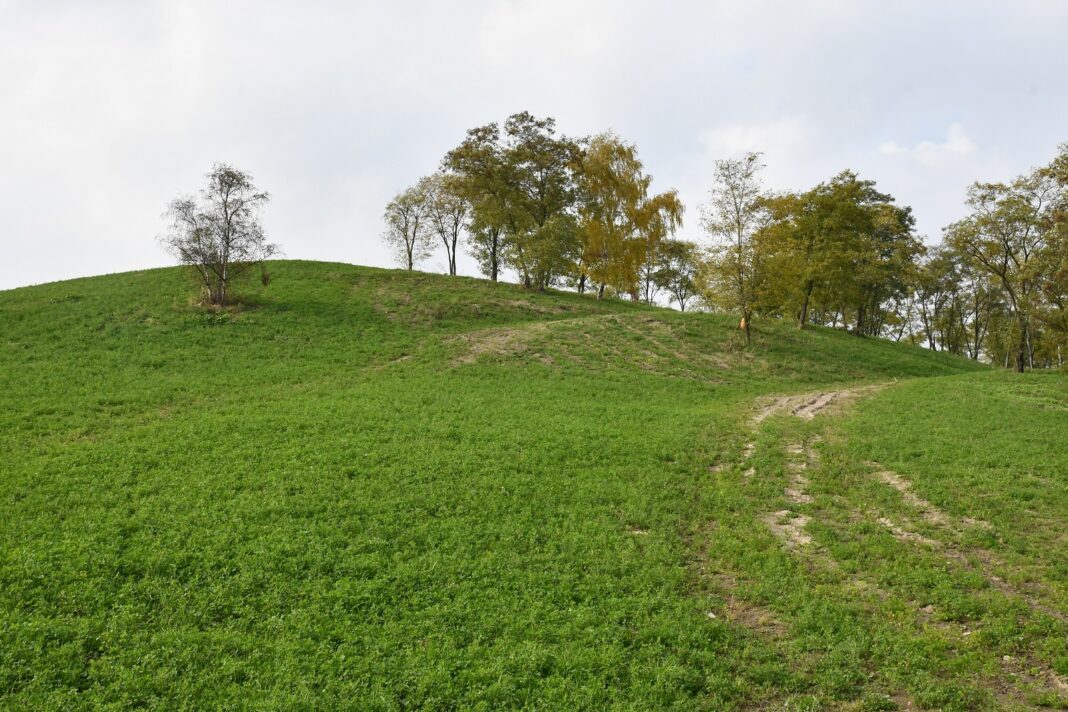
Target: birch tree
x,y
218,232
447,210
408,233
619,222
731,218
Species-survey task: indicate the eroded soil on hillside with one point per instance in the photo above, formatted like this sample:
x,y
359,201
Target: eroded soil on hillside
x,y
622,341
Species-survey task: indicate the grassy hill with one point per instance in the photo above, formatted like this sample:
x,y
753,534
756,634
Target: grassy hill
x,y
370,489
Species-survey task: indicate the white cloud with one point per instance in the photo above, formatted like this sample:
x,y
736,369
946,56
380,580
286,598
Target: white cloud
x,y
929,153
107,112
779,138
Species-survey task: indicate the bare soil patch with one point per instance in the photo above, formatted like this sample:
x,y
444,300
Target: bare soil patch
x,y
797,489
761,620
808,405
500,341
930,512
789,527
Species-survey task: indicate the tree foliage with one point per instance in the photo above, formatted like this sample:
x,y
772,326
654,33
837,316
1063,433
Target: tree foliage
x,y
408,226
447,209
837,252
1008,233
620,224
558,210
676,270
735,212
519,181
555,210
483,179
218,233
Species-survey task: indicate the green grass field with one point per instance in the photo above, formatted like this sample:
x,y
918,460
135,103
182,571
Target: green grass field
x,y
369,489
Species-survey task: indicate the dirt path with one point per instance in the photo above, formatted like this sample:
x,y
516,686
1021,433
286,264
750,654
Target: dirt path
x,y
786,524
797,489
790,526
808,405
957,554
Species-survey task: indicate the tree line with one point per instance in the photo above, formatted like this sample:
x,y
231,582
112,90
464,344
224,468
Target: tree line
x,y
843,254
556,210
578,213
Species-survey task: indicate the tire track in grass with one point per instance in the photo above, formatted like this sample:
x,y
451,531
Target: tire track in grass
x,y
1019,677
953,551
789,525
931,513
808,405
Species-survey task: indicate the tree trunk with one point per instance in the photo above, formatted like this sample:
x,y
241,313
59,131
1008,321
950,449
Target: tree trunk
x,y
927,331
600,291
222,282
1023,349
748,335
495,236
803,317
978,342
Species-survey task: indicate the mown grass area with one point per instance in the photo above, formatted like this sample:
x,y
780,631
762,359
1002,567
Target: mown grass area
x,y
377,490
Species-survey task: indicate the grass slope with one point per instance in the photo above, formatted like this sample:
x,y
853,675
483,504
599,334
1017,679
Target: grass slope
x,y
381,490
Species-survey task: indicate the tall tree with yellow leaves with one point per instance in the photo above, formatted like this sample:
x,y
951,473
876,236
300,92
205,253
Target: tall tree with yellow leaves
x,y
618,220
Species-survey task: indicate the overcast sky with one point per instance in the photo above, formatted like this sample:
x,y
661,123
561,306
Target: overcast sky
x,y
110,109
